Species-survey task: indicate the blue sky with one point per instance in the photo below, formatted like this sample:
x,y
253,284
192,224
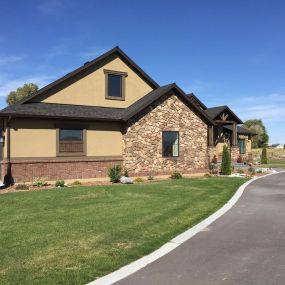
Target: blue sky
x,y
226,52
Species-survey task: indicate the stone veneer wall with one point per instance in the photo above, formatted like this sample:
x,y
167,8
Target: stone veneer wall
x,y
234,153
142,146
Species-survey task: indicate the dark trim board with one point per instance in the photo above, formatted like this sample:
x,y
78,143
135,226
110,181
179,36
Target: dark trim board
x,y
63,159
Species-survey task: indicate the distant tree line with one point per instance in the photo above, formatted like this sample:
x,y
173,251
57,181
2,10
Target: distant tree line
x,y
261,138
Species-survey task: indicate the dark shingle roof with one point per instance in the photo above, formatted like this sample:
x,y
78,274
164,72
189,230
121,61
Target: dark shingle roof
x,y
215,111
146,101
51,110
240,130
197,101
158,93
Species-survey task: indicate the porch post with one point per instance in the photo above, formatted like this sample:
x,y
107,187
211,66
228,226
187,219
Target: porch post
x,y
234,134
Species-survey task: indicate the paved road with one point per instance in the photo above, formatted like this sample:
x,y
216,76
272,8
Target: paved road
x,y
245,246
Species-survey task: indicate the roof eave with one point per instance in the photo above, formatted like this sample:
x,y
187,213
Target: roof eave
x,y
15,115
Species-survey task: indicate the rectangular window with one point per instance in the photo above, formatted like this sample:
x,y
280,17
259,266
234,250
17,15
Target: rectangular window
x,y
115,84
241,144
70,142
170,144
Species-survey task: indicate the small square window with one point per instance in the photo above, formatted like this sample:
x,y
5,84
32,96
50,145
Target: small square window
x,y
115,84
170,144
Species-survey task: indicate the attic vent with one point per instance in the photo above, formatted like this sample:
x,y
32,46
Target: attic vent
x,y
86,62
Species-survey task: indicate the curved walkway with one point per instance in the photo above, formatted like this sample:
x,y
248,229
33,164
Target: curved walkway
x,y
245,246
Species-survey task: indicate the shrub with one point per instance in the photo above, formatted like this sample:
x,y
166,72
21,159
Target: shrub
x,y
264,156
76,182
226,168
251,170
139,180
214,168
22,187
207,175
214,159
176,175
115,173
39,182
150,177
240,171
126,173
59,183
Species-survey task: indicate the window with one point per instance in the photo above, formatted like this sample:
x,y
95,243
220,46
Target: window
x,y
241,144
70,142
170,144
115,84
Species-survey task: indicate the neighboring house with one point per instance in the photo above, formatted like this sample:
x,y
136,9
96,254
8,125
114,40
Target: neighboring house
x,y
277,146
109,111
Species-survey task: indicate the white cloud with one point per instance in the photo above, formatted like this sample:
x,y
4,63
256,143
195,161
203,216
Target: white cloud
x,y
9,59
8,85
270,108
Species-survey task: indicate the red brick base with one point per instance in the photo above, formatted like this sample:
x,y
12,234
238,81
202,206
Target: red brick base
x,y
54,169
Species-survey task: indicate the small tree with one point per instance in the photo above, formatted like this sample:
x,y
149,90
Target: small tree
x,y
264,156
21,92
226,168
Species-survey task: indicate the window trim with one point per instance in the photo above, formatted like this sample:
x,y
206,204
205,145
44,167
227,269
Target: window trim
x,y
71,127
178,136
123,77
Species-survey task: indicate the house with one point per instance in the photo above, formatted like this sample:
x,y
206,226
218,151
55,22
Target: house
x,y
109,111
277,146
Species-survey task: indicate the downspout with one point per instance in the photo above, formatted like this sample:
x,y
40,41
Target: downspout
x,y
8,179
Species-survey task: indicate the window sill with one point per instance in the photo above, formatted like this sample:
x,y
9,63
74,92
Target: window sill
x,y
71,154
115,98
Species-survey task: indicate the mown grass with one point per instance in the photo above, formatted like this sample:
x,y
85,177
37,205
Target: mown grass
x,y
75,235
275,163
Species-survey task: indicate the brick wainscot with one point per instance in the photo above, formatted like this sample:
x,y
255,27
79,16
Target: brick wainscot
x,y
25,170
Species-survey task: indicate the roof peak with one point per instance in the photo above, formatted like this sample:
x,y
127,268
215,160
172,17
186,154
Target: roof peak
x,y
93,62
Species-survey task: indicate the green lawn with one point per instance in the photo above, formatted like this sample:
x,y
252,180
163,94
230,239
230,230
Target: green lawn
x,y
74,235
275,163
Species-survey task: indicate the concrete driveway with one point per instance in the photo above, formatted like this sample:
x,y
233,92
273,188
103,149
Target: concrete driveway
x,y
245,246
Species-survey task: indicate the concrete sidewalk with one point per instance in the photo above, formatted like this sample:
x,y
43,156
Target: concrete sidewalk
x,y
245,246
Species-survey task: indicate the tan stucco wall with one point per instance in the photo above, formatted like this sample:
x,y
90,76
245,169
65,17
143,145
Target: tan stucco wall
x,y
104,139
37,138
90,90
219,148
